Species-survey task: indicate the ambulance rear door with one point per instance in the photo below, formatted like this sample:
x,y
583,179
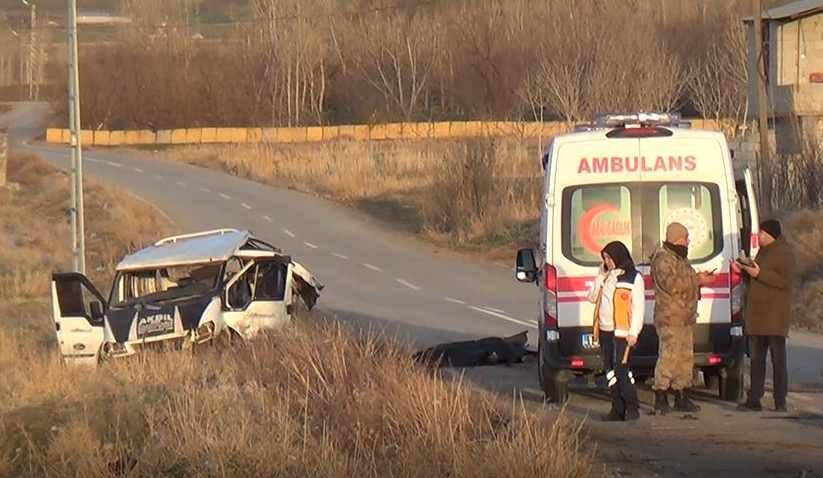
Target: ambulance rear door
x,y
686,178
749,218
594,174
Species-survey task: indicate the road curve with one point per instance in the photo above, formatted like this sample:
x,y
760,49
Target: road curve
x,y
373,276
370,274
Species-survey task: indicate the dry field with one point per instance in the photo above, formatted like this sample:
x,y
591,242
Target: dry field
x,y
35,227
476,195
473,194
314,401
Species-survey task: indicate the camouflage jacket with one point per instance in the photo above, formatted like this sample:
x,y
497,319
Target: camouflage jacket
x,y
676,289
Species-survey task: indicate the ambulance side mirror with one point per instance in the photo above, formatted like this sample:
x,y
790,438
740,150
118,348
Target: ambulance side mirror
x,y
526,267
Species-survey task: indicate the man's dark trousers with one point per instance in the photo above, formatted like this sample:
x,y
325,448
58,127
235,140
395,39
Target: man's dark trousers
x,y
775,345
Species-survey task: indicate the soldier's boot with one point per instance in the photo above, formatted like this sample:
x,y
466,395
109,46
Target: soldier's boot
x,y
661,402
682,402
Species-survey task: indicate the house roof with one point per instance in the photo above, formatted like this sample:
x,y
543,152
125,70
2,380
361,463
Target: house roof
x,y
196,248
792,11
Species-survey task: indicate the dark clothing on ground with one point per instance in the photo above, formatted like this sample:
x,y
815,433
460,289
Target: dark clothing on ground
x,y
472,353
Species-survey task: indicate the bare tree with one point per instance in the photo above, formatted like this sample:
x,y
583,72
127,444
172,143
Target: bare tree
x,y
579,74
718,87
316,61
560,78
293,42
491,45
395,54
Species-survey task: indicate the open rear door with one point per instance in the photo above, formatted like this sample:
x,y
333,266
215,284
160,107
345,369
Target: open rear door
x,y
78,310
750,224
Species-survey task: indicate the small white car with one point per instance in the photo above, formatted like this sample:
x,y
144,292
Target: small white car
x,y
183,290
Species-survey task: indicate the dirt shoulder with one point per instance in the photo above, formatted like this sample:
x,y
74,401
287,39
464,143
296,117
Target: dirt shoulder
x,y
717,441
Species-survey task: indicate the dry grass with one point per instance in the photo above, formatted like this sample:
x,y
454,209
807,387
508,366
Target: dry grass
x,y
475,193
35,230
804,230
313,400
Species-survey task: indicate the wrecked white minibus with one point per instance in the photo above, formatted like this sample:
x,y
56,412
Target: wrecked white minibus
x,y
183,290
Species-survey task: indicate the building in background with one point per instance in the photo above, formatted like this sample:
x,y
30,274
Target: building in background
x,y
793,47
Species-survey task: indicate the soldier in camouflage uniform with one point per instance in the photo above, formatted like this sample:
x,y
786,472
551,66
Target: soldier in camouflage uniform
x,y
676,288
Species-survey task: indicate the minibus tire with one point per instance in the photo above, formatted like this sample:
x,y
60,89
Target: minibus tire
x,y
731,383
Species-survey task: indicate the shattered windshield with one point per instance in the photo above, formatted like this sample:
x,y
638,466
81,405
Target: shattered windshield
x,y
165,283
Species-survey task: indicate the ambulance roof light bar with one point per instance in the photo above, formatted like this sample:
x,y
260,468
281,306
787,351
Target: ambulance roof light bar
x,y
621,119
633,120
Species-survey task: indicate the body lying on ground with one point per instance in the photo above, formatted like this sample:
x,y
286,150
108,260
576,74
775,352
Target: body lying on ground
x,y
472,353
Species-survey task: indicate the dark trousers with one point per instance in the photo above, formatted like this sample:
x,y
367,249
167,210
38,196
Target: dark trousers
x,y
620,379
775,345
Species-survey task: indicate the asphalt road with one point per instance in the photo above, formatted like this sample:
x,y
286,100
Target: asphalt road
x,y
369,272
377,277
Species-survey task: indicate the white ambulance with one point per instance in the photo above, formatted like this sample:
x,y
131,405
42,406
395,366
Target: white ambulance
x,y
626,177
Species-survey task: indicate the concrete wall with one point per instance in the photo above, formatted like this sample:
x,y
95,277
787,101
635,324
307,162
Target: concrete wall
x,y
795,53
452,129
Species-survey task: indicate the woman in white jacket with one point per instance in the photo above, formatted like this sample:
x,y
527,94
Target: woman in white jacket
x,y
619,295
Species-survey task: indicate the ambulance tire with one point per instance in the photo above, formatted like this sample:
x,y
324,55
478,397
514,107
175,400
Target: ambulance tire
x,y
731,383
555,388
711,379
554,382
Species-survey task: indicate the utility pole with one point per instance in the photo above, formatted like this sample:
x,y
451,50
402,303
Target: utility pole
x,y
32,49
78,242
19,59
765,163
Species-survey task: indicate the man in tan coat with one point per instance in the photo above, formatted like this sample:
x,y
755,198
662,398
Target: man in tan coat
x,y
676,292
768,313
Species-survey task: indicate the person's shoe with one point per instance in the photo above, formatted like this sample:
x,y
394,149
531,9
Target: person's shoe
x,y
612,416
632,414
780,407
749,406
661,402
682,402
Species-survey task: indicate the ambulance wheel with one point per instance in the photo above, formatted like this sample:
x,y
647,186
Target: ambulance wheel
x,y
730,383
711,379
554,382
